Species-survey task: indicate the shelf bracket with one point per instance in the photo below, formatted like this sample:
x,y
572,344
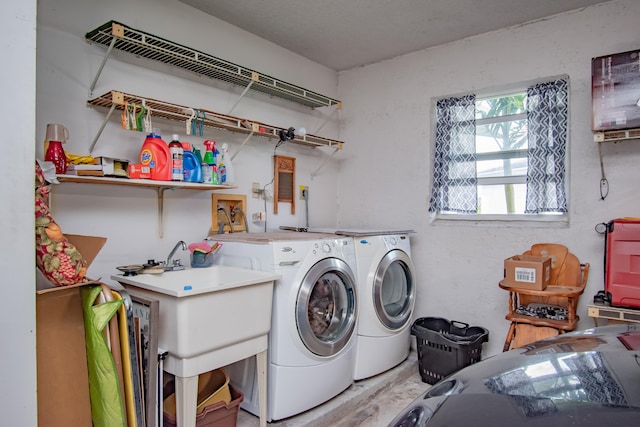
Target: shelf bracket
x,y
160,191
335,110
254,78
118,99
254,128
326,160
118,33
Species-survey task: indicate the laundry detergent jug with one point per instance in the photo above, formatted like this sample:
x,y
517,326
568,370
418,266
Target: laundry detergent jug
x,y
156,155
191,164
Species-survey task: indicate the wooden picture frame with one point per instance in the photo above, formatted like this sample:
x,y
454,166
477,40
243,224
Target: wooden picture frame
x,y
228,202
147,313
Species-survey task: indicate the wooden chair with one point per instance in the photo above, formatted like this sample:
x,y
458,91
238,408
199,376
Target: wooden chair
x,y
567,281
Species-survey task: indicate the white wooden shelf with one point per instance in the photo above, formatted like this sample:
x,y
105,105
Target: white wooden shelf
x,y
613,313
148,183
159,186
616,135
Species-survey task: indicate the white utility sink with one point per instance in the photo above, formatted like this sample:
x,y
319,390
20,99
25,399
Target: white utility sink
x,y
209,318
202,310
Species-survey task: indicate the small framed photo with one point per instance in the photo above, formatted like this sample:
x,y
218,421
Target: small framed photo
x,y
146,318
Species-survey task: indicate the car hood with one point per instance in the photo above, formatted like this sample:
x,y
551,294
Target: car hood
x,y
586,378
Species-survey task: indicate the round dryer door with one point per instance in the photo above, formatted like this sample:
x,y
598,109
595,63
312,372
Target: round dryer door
x,y
393,289
326,307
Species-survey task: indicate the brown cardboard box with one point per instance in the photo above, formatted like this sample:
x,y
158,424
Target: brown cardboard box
x,y
527,272
63,381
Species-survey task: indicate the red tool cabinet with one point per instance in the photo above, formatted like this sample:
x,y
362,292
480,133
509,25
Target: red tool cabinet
x,y
622,262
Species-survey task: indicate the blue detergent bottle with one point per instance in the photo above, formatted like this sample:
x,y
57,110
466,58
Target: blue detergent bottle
x,y
190,164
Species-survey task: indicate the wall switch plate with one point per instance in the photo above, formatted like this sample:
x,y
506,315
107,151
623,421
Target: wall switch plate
x,y
304,192
256,191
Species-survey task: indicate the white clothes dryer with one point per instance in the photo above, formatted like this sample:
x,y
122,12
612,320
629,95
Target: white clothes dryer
x,y
313,322
386,292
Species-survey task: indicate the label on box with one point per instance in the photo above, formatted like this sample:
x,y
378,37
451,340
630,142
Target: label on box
x,y
525,275
138,171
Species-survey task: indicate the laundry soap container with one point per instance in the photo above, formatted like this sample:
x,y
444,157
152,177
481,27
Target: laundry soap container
x,y
155,154
192,169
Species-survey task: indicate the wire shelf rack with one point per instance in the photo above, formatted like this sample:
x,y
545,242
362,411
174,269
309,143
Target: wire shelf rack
x,y
142,44
119,100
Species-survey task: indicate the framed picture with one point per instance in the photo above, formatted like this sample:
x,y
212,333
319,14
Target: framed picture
x,y
146,318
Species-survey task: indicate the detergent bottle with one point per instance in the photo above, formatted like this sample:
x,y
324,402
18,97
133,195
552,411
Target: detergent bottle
x,y
155,154
190,164
225,168
177,155
209,170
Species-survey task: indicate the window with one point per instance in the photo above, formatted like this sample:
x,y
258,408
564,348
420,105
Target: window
x,y
502,155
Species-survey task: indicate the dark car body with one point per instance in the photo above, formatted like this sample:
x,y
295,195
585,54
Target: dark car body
x,y
586,378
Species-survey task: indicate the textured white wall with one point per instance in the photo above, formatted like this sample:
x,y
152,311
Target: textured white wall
x,y
387,121
127,216
383,178
17,319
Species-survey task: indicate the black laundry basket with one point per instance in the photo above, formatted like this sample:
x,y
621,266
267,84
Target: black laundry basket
x,y
445,347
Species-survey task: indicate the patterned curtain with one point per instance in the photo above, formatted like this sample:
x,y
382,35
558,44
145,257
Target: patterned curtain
x,y
454,169
547,112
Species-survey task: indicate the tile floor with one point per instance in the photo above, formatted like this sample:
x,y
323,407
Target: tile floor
x,y
372,402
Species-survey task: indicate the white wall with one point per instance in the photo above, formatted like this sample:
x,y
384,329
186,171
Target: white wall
x,y
17,319
386,105
128,216
388,124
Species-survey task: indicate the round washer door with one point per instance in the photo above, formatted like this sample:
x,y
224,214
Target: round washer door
x,y
394,289
326,307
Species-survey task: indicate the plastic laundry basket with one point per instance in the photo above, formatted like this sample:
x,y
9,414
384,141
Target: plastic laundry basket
x,y
445,347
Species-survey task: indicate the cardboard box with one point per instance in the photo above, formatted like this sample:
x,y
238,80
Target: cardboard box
x,y
527,272
139,171
114,167
62,376
103,166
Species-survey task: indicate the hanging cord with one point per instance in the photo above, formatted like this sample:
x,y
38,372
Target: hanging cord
x,y
604,184
264,193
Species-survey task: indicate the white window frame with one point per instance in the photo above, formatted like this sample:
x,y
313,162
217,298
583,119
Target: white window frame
x,y
559,220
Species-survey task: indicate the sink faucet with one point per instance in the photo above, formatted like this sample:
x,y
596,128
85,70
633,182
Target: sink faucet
x,y
244,217
221,228
170,264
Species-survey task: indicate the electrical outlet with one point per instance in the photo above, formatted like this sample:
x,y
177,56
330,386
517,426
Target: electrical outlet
x,y
304,192
256,191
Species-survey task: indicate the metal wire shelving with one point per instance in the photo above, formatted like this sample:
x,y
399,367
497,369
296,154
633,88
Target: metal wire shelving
x,y
118,36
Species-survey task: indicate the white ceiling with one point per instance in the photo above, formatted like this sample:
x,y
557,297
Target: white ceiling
x,y
343,34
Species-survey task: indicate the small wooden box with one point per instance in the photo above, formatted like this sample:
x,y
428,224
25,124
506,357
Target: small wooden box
x,y
233,213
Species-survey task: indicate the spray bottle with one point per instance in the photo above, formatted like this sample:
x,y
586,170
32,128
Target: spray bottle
x,y
209,170
225,168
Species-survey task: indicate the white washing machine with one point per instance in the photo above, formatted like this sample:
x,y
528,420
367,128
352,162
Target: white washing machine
x,y
386,292
311,343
